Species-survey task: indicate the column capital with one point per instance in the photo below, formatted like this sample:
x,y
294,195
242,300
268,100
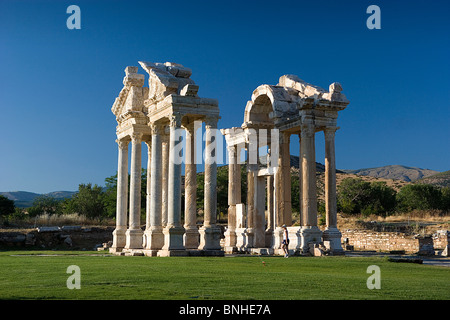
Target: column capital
x,y
232,149
329,132
122,143
190,127
157,129
175,120
307,130
136,137
232,153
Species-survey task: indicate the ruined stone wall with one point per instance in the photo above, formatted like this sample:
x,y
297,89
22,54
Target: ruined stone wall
x,y
396,241
68,237
380,241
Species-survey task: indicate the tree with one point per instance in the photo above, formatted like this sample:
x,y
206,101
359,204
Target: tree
x,y
358,196
352,194
419,196
445,198
89,201
6,206
382,199
44,204
110,196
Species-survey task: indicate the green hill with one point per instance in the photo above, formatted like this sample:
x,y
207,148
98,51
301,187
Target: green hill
x,y
441,179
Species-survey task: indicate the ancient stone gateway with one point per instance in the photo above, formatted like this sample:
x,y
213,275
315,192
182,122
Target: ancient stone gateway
x,y
157,113
292,107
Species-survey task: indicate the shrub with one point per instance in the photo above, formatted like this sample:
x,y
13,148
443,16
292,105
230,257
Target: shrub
x,y
419,196
358,196
6,206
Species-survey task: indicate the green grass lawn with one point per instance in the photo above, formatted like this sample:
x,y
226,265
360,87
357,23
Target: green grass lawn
x,y
29,275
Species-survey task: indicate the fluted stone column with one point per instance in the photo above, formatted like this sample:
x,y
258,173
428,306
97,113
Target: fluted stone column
x,y
119,238
174,231
270,211
230,234
282,190
134,233
331,236
163,182
154,235
259,237
210,232
252,185
309,232
191,236
300,179
148,190
286,162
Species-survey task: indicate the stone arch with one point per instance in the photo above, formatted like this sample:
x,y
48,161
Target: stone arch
x,y
260,109
269,104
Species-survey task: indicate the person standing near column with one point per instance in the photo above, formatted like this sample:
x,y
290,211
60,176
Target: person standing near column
x,y
285,243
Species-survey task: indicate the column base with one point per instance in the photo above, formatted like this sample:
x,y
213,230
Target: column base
x,y
134,239
241,239
308,235
295,240
172,253
277,237
154,238
191,237
250,235
210,238
230,238
173,238
259,239
269,238
230,241
119,239
150,253
332,240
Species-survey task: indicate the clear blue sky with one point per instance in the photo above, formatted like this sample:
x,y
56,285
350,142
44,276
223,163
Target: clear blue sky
x,y
58,85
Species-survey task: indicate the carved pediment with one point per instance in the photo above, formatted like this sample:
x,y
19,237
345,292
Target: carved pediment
x,y
132,96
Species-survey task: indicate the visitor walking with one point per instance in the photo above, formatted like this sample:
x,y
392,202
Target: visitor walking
x,y
285,242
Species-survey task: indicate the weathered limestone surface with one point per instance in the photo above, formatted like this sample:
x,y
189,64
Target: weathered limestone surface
x,y
155,115
293,107
191,237
119,239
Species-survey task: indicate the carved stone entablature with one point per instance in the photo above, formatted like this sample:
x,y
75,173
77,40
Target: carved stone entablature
x,y
291,101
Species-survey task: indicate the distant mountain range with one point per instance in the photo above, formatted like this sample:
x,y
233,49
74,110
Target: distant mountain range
x,y
396,172
24,199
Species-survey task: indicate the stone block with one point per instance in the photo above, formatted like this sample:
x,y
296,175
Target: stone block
x,y
210,238
173,238
48,229
189,90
